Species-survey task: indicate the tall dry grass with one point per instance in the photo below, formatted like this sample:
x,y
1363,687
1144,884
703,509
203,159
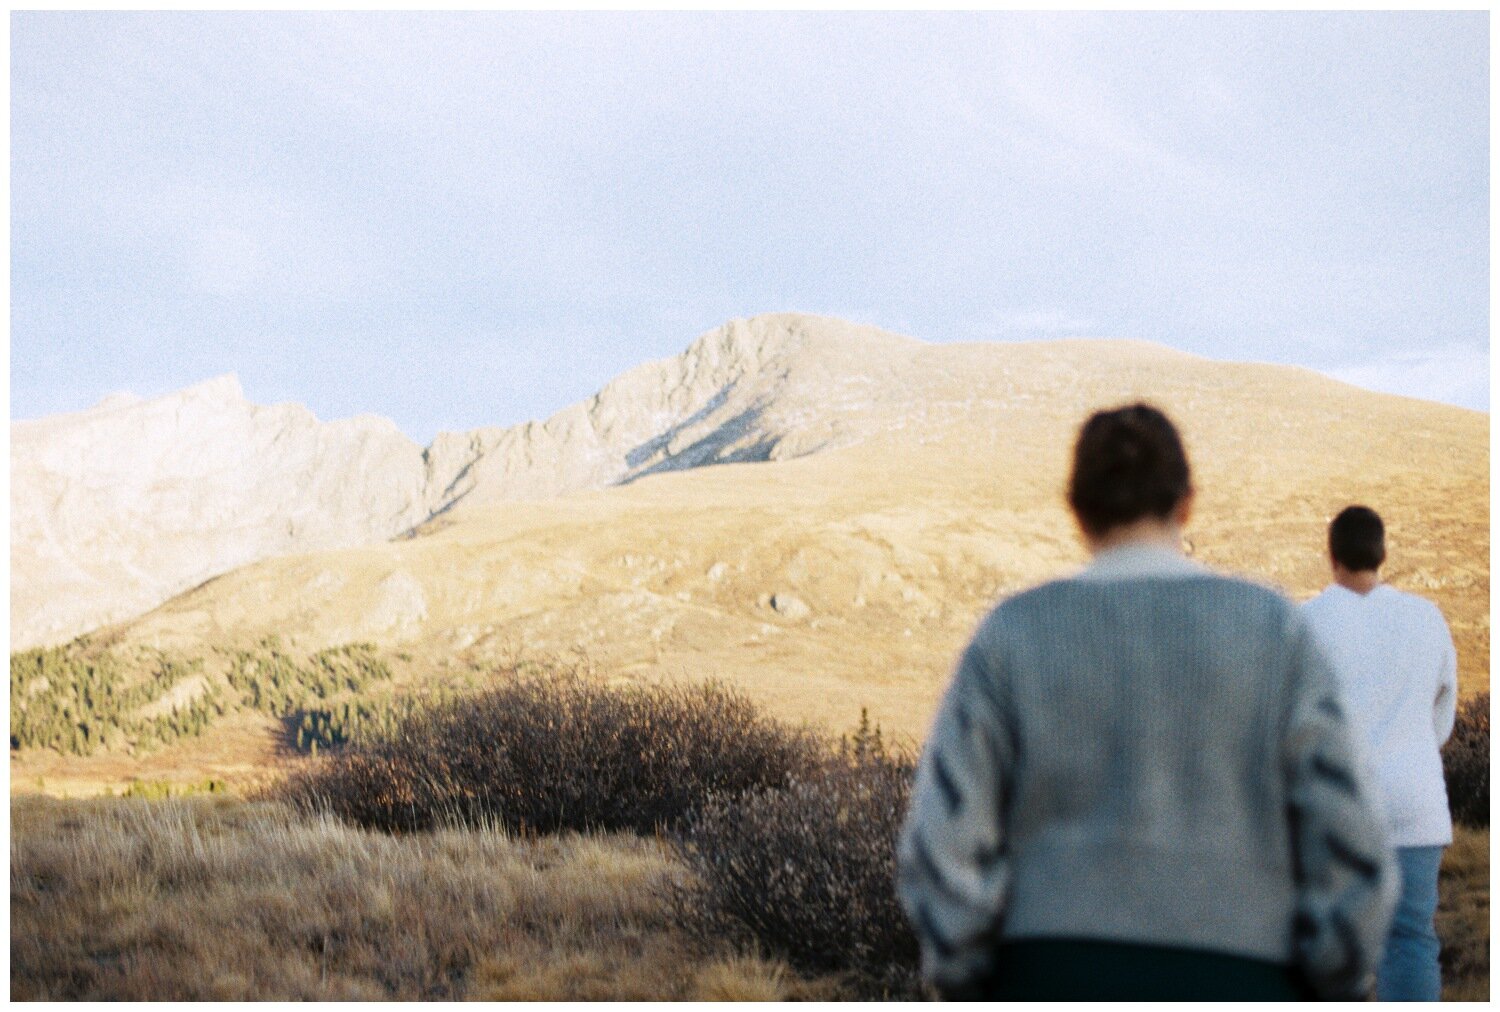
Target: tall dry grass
x,y
1463,918
211,898
217,899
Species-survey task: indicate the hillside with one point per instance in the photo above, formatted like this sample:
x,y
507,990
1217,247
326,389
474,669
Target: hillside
x,y
117,508
874,496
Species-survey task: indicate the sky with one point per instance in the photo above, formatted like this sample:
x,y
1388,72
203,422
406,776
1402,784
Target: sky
x,y
456,220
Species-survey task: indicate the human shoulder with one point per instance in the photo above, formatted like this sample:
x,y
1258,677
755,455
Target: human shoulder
x,y
1256,604
1328,612
1325,600
1416,610
1208,588
1414,605
1253,590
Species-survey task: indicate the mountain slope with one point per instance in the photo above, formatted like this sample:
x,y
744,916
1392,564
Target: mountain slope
x,y
117,508
850,576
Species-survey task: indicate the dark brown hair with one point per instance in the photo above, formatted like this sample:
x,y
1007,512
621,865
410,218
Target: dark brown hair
x,y
1356,539
1128,463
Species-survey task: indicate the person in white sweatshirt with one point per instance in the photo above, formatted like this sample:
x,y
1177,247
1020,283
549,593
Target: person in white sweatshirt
x,y
1393,656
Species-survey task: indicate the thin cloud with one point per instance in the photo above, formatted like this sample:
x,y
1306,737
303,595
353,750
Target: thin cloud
x,y
1454,374
294,196
1040,322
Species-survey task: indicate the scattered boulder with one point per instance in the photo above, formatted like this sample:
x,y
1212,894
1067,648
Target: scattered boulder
x,y
789,606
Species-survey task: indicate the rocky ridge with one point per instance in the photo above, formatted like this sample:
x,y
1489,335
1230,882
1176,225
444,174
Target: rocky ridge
x,y
120,507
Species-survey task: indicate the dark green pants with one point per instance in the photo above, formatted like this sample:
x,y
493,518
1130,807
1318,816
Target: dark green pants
x,y
1084,970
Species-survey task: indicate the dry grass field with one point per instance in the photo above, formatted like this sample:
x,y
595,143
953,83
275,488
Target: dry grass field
x,y
222,899
227,900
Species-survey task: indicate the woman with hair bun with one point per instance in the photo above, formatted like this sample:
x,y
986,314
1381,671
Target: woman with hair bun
x,y
1140,783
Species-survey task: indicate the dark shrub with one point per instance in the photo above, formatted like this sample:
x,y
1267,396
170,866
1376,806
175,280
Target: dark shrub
x,y
808,872
357,720
1466,762
551,751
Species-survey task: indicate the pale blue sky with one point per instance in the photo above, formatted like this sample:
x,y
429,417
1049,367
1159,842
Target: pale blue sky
x,y
474,219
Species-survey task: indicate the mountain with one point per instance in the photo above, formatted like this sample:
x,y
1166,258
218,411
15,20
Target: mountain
x,y
768,388
871,497
118,508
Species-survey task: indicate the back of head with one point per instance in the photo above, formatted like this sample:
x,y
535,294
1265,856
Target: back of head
x,y
1356,539
1128,464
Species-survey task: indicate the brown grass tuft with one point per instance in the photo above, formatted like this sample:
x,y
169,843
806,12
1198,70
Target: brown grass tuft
x,y
211,898
741,979
1463,917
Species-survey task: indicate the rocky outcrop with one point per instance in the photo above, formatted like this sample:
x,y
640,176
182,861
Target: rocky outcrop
x,y
766,388
117,508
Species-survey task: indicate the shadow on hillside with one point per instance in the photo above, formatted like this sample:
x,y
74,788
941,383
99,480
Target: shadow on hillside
x,y
711,449
638,456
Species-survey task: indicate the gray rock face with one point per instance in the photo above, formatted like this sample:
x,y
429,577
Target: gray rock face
x,y
117,508
766,388
120,507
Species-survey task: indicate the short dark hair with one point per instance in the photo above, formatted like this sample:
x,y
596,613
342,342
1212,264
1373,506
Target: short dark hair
x,y
1356,539
1128,463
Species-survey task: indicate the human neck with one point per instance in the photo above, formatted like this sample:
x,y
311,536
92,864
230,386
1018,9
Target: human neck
x,y
1148,532
1360,581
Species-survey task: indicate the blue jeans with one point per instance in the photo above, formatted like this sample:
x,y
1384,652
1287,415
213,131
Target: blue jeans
x,y
1409,969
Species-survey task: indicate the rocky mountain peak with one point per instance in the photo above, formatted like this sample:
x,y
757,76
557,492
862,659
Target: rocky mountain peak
x,y
116,508
224,389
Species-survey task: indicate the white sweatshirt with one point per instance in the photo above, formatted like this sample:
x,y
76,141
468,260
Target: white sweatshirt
x,y
1395,662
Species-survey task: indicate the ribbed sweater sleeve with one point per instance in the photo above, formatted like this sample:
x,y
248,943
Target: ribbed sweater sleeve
x,y
1345,873
951,868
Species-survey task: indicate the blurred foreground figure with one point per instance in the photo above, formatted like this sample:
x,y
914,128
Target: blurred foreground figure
x,y
1141,783
1394,658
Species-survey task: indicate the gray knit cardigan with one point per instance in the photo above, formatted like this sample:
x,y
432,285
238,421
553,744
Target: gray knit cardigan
x,y
1160,759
